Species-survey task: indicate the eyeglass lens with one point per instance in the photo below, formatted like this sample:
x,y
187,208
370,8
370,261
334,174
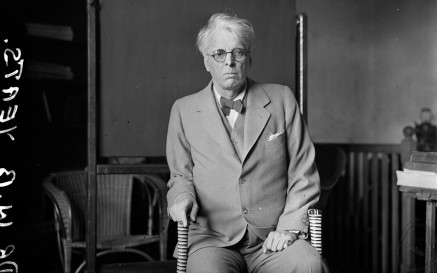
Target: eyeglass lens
x,y
237,53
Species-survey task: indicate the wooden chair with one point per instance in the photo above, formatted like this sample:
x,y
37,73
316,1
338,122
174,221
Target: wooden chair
x,y
315,237
179,266
67,191
331,163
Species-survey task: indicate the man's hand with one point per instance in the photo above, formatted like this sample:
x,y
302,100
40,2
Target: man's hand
x,y
278,241
184,204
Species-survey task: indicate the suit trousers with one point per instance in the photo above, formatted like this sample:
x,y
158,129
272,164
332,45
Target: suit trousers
x,y
298,257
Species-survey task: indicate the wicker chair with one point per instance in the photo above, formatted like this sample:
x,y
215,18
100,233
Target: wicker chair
x,y
67,191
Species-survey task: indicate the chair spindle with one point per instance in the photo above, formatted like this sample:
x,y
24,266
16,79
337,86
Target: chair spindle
x,y
315,218
182,248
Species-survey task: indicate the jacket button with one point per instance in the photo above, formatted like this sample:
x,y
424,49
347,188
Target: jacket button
x,y
242,181
244,211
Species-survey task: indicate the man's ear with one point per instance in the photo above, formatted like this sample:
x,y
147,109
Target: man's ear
x,y
206,62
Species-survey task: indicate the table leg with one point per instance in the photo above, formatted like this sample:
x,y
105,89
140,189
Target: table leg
x,y
430,258
408,231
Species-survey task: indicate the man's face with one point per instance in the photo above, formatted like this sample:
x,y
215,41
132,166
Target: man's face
x,y
230,74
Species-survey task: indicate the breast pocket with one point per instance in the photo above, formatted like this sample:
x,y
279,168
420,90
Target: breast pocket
x,y
275,142
275,151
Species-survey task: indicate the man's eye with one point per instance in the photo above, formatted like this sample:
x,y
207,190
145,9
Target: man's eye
x,y
240,51
220,53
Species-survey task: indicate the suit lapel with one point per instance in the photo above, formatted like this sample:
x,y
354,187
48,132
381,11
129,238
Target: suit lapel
x,y
256,115
210,120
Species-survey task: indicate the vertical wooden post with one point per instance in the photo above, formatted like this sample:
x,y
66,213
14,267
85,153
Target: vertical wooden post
x,y
302,48
91,217
395,214
430,262
408,232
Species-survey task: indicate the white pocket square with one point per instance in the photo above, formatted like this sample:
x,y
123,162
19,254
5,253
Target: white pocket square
x,y
271,136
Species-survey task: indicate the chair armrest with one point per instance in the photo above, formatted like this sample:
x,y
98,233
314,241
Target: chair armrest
x,y
160,188
315,219
182,248
61,205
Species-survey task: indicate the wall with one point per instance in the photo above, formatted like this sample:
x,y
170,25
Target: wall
x,y
148,60
372,67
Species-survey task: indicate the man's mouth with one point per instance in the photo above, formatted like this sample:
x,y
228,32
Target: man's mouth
x,y
231,74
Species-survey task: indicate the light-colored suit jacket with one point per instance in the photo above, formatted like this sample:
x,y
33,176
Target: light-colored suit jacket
x,y
269,188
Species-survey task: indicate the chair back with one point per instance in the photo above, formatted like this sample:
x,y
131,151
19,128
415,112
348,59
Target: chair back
x,y
331,163
113,202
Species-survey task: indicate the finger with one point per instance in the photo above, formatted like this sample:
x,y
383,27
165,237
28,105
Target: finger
x,y
264,247
184,219
191,222
287,241
194,211
275,241
268,243
282,243
287,244
290,240
172,216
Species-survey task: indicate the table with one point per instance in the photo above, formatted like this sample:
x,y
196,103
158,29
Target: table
x,y
408,216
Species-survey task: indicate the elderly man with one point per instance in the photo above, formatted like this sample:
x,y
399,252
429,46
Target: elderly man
x,y
242,164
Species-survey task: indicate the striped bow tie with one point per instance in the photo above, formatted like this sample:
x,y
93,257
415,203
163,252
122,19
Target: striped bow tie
x,y
227,105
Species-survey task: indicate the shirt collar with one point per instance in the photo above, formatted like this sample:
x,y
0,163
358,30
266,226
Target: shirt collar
x,y
239,97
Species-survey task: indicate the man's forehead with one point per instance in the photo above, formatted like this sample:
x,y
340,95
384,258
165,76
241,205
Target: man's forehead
x,y
222,39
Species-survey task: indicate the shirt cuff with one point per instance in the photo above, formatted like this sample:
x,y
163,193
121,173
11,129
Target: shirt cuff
x,y
300,234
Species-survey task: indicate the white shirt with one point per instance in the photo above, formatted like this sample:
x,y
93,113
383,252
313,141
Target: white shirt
x,y
233,115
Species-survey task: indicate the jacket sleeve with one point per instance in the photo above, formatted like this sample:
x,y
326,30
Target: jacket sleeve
x,y
178,158
303,189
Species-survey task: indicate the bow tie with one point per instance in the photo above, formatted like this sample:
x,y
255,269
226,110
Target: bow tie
x,y
227,105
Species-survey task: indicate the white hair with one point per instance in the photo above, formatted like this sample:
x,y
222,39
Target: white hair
x,y
241,28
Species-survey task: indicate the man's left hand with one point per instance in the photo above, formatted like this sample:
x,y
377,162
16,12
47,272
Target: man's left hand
x,y
278,241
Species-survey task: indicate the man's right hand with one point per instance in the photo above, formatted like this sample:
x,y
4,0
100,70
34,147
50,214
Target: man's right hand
x,y
183,205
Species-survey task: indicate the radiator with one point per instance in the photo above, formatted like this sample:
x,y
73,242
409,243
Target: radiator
x,y
362,217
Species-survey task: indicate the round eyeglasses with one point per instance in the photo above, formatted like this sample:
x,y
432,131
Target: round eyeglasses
x,y
238,54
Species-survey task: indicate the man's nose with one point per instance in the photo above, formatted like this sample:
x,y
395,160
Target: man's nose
x,y
230,59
